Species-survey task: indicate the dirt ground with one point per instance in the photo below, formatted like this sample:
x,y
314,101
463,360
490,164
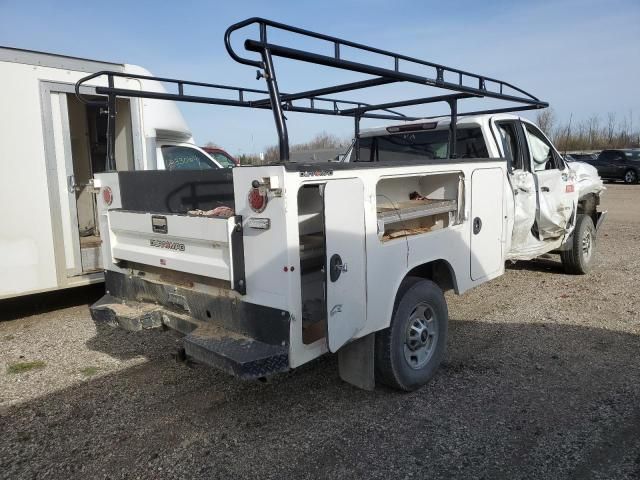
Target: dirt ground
x,y
542,380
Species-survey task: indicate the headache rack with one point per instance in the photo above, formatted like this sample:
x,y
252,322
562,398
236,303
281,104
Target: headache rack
x,y
464,85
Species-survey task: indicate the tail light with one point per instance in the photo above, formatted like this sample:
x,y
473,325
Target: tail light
x,y
107,195
258,199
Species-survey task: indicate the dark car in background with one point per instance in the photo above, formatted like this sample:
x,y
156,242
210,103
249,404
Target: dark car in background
x,y
580,157
222,157
618,164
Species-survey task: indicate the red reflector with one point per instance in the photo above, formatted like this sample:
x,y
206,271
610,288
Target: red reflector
x,y
569,188
107,195
257,200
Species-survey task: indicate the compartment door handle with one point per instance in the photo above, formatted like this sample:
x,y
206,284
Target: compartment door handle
x,y
336,267
477,225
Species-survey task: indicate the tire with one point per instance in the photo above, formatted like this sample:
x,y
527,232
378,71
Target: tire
x,y
630,177
578,259
410,350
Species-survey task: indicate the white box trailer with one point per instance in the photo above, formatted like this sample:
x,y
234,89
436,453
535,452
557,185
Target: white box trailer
x,y
51,145
265,268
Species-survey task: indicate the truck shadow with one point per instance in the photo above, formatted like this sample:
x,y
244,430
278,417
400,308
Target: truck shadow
x,y
508,396
35,304
546,264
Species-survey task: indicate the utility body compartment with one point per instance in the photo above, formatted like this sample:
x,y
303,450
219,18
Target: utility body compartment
x,y
318,267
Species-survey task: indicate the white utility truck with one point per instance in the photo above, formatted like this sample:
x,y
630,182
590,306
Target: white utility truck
x,y
51,145
265,268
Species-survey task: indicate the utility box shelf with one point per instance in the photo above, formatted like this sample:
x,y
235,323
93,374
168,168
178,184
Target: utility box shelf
x,y
414,209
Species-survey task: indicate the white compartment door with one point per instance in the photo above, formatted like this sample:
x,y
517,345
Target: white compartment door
x,y
487,186
346,260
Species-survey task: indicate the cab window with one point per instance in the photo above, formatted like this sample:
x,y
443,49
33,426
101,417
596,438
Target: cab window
x,y
510,146
421,146
185,158
543,156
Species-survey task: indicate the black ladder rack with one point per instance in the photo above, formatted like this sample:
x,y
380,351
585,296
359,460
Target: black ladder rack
x,y
316,101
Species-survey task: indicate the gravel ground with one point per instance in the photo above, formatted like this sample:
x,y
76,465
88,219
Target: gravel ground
x,y
541,381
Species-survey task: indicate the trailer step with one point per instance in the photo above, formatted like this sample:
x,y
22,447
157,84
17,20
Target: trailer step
x,y
234,353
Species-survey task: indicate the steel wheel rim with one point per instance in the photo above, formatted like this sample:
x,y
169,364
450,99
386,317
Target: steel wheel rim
x,y
630,176
587,245
421,336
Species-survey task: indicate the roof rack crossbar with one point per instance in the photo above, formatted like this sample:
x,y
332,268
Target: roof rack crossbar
x,y
301,55
408,103
491,111
123,92
346,87
241,101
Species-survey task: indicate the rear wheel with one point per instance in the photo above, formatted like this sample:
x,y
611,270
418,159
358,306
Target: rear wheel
x,y
630,176
409,352
579,258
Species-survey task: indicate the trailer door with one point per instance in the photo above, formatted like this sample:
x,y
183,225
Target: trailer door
x,y
62,142
346,260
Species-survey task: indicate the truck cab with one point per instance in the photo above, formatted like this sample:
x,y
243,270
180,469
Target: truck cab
x,y
544,192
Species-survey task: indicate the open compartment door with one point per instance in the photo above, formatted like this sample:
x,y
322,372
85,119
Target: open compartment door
x,y
346,258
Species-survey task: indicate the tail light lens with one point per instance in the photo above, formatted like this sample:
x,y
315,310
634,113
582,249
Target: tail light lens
x,y
107,195
257,200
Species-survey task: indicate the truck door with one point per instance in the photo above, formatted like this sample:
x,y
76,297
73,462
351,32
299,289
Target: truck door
x,y
513,145
556,192
346,260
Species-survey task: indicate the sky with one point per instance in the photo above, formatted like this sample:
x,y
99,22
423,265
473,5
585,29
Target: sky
x,y
581,56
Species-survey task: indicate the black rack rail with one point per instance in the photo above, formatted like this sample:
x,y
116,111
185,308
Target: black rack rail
x,y
466,85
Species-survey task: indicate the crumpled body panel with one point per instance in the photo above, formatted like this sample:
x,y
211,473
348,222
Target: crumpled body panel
x,y
587,178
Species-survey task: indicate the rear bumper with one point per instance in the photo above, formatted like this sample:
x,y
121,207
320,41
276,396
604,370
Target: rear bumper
x,y
246,340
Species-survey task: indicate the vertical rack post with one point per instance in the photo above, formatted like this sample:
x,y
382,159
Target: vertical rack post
x,y
276,106
111,129
453,104
356,144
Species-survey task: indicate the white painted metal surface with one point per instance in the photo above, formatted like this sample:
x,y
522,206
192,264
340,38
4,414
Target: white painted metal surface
x,y
197,245
39,235
345,240
486,253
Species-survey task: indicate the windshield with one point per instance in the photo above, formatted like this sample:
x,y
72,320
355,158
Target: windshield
x,y
418,146
178,157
